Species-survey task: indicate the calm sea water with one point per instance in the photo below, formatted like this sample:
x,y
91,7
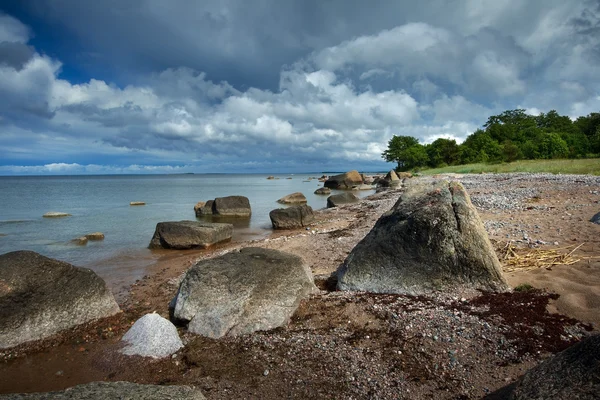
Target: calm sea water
x,y
101,203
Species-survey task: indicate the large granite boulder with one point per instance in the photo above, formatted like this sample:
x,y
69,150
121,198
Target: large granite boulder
x,y
113,390
431,239
189,234
292,217
151,336
203,208
242,292
336,200
294,198
571,374
40,296
232,206
344,181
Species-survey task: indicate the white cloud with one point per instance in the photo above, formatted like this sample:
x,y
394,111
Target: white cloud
x,y
12,30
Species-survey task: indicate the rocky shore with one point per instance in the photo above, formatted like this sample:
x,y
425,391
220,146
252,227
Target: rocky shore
x,y
445,345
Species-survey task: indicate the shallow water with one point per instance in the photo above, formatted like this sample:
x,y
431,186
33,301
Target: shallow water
x,y
101,203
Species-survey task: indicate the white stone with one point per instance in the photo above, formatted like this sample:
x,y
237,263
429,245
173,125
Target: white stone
x,y
152,336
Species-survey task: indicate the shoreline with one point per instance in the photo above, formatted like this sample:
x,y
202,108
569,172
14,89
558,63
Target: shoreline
x,y
344,343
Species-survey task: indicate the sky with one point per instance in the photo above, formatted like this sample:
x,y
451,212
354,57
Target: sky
x,y
235,86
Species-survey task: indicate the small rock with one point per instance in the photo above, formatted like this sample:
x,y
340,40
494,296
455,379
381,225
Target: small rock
x,y
95,236
137,203
56,214
81,241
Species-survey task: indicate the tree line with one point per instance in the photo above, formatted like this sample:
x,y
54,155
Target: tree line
x,y
510,136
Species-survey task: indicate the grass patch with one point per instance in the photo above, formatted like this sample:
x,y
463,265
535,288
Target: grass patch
x,y
524,287
586,166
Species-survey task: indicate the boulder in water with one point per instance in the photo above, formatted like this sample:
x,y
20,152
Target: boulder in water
x,y
56,214
137,203
431,239
344,181
203,208
294,198
323,191
95,236
40,296
189,234
232,206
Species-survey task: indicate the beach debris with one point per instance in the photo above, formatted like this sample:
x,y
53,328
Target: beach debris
x,y
526,259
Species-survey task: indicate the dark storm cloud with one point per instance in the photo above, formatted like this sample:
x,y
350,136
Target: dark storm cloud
x,y
15,55
260,84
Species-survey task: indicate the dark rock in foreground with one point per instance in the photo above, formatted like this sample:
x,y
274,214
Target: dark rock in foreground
x,y
344,181
40,296
596,219
292,217
114,390
337,200
189,234
571,374
431,239
242,292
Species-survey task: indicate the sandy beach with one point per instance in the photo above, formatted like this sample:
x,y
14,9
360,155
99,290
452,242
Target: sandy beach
x,y
360,345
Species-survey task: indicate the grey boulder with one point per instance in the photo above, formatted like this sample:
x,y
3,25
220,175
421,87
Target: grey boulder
x,y
189,234
294,198
431,239
40,296
337,200
596,219
571,374
292,217
151,336
242,292
113,390
232,206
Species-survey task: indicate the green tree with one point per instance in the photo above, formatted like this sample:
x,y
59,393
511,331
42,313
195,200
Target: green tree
x,y
443,151
397,152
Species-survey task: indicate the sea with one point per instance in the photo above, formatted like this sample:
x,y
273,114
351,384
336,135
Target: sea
x,y
101,204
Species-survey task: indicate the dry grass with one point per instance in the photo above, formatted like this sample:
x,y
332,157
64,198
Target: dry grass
x,y
526,259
